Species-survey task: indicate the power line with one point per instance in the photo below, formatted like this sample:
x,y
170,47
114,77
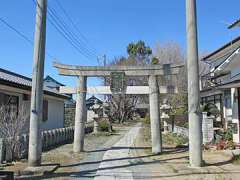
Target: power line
x,y
69,40
67,34
73,24
22,35
16,31
71,35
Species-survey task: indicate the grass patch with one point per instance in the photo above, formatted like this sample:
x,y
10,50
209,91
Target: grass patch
x,y
174,139
146,119
104,126
236,159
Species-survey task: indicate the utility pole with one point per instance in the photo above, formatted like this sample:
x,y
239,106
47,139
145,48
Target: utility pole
x,y
195,129
105,80
104,63
35,142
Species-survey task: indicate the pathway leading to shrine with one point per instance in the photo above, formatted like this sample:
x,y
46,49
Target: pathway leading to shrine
x,y
115,161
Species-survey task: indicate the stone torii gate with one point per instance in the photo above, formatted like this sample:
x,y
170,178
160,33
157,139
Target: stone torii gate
x,y
82,72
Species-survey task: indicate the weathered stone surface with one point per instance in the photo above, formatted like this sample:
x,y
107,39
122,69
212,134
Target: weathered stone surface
x,y
2,150
70,70
80,117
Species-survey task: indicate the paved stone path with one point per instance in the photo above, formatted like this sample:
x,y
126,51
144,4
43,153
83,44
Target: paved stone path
x,y
115,161
88,166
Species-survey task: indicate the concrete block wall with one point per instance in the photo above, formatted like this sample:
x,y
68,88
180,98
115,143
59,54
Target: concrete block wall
x,y
50,140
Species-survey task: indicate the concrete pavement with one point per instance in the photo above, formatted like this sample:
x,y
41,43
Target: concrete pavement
x,y
115,161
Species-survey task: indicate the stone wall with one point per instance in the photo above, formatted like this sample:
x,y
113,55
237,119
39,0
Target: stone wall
x,y
50,139
69,116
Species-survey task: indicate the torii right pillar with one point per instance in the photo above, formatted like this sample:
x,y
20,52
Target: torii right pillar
x,y
194,115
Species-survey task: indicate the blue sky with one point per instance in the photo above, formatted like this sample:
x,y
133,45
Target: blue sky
x,y
109,26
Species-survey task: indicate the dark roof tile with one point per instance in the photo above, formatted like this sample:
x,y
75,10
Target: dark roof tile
x,y
18,79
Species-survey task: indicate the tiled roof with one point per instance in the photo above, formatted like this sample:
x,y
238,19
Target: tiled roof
x,y
235,24
23,81
15,78
225,50
49,78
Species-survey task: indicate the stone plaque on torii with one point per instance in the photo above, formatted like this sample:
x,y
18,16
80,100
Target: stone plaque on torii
x,y
153,90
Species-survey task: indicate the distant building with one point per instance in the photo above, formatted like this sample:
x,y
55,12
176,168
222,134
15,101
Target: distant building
x,y
91,101
15,90
51,83
222,85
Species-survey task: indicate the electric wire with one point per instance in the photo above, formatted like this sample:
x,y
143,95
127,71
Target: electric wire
x,y
75,26
74,38
67,34
22,35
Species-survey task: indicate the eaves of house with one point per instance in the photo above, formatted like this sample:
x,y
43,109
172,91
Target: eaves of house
x,y
15,80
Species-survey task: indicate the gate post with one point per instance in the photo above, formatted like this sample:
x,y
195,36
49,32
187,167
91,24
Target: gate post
x,y
156,133
80,115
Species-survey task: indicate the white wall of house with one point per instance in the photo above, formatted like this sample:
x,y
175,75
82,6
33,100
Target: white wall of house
x,y
235,115
55,107
55,115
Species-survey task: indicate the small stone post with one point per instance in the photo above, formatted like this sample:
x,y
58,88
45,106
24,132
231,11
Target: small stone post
x,y
195,129
155,115
80,115
95,126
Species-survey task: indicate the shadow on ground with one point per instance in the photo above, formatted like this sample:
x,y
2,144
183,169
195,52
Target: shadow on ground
x,y
92,172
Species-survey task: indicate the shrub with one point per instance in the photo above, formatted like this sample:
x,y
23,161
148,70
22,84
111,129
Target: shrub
x,y
230,145
226,145
104,126
211,109
228,135
146,120
236,159
174,139
12,124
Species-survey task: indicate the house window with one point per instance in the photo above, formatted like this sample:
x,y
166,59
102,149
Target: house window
x,y
9,101
170,89
228,102
45,110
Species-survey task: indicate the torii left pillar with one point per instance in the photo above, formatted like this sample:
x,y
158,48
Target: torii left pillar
x,y
80,115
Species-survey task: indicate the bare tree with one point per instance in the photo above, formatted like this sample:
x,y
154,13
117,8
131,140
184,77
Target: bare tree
x,y
122,106
172,53
12,123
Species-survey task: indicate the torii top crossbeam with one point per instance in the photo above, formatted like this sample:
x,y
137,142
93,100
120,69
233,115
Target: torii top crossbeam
x,y
94,71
